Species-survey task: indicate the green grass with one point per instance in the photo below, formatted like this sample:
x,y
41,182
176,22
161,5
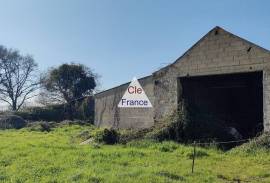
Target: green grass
x,y
31,156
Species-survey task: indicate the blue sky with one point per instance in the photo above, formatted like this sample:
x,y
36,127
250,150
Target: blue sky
x,y
121,39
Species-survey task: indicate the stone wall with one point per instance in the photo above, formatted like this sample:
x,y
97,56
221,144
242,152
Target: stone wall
x,y
109,115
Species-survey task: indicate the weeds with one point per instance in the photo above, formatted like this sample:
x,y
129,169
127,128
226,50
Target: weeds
x,y
35,156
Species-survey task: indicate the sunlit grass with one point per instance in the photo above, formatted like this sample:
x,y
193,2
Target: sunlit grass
x,y
29,156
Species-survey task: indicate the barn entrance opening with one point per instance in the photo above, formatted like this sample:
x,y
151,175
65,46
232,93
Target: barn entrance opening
x,y
235,100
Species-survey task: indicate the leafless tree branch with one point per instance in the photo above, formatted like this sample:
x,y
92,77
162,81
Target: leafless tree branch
x,y
17,77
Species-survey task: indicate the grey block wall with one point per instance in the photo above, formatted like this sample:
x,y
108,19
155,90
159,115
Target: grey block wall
x,y
107,114
219,52
266,99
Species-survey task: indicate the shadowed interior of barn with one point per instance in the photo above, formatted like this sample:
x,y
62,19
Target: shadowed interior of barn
x,y
235,99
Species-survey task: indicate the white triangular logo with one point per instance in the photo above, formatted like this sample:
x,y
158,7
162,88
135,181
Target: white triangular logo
x,y
135,96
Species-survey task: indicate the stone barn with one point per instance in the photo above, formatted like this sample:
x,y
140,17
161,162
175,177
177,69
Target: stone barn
x,y
222,75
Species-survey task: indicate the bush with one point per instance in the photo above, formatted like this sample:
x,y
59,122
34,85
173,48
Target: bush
x,y
49,113
41,126
106,136
126,136
82,109
45,127
11,121
186,127
261,142
172,129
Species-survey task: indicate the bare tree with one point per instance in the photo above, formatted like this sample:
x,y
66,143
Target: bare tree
x,y
18,79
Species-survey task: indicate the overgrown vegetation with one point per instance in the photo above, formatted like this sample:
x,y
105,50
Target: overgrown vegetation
x,y
54,156
187,127
107,136
11,122
260,143
49,113
82,109
41,126
97,135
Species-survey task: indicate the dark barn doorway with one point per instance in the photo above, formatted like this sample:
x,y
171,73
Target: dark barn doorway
x,y
235,99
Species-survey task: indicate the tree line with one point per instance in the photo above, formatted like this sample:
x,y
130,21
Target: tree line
x,y
20,81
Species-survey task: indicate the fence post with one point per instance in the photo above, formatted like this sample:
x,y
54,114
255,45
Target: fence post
x,y
193,157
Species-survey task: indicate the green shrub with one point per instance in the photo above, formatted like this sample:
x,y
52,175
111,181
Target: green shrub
x,y
172,129
41,126
49,113
11,121
106,136
186,127
126,136
261,142
82,109
45,127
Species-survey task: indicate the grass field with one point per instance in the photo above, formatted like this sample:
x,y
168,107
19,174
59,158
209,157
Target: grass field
x,y
30,156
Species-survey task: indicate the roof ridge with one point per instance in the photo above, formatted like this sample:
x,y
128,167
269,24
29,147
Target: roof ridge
x,y
201,39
